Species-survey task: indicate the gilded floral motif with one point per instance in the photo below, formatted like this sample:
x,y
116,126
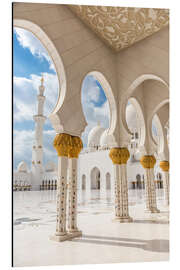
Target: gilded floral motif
x,y
122,27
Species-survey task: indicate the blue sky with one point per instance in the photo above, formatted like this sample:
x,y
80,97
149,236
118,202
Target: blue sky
x,y
25,63
30,60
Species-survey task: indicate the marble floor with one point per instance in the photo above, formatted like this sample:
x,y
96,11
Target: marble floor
x,y
103,241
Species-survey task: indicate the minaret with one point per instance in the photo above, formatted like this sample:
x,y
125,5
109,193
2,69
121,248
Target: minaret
x,y
39,118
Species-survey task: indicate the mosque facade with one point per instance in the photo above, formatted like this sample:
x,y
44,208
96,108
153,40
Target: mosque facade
x,y
95,168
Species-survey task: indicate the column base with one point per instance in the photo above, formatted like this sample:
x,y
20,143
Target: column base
x,y
152,210
59,238
123,219
75,233
67,236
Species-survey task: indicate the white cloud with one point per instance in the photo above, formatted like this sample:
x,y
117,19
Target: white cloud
x,y
22,146
25,95
92,112
91,98
90,90
23,142
51,90
103,112
29,41
49,151
91,94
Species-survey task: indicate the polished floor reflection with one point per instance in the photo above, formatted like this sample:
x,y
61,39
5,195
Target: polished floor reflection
x,y
146,239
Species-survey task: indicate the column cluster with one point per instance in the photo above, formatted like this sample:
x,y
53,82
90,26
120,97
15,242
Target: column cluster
x,y
148,162
68,148
119,157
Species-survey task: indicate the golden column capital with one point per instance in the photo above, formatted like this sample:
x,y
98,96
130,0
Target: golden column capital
x,y
164,165
62,144
148,162
119,155
76,147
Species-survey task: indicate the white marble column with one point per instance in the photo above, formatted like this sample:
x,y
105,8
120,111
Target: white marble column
x,y
61,144
61,196
72,197
164,165
148,163
117,190
119,157
72,185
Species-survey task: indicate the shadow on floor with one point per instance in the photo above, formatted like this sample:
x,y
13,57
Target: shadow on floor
x,y
145,221
19,221
155,245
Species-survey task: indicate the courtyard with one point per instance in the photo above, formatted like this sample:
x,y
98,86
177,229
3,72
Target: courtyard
x,y
103,240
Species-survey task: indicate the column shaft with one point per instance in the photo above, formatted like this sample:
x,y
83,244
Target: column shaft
x,y
166,187
76,146
117,190
148,163
62,144
72,184
150,191
119,157
61,196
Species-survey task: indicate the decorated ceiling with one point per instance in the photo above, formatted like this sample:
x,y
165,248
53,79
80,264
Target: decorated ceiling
x,y
122,27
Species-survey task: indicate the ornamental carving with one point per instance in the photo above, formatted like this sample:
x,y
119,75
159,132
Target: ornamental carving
x,y
119,155
76,147
67,145
120,27
164,165
148,162
62,143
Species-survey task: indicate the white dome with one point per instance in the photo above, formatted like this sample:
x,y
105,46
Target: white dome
x,y
22,167
131,118
107,140
50,167
95,135
138,155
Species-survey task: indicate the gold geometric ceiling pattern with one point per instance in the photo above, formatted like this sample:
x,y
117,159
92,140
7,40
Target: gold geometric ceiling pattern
x,y
121,27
